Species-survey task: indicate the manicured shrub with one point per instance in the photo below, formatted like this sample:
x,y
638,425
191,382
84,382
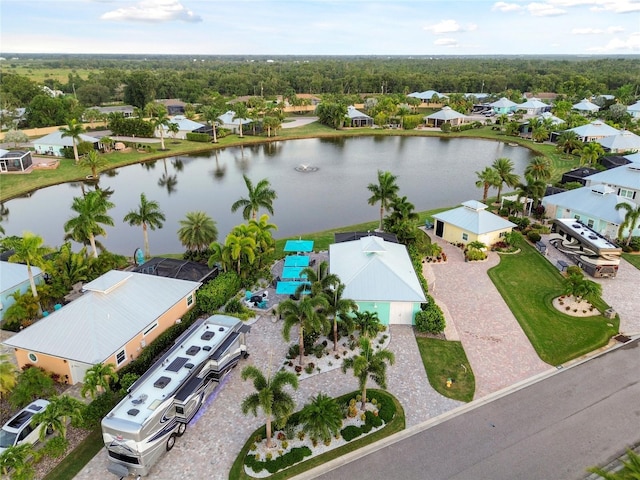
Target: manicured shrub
x,y
372,419
198,137
350,432
97,410
533,236
295,455
212,296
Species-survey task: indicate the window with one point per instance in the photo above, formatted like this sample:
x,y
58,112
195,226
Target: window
x,y
626,193
502,234
190,300
121,356
577,217
33,357
590,223
155,324
465,236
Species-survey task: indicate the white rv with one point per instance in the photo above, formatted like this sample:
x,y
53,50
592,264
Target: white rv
x,y
160,404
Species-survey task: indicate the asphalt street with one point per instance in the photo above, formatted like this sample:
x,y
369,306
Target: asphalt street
x,y
553,429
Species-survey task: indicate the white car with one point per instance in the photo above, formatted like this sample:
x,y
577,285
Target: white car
x,y
20,429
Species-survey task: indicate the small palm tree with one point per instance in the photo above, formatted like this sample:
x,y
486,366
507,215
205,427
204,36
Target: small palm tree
x,y
98,378
307,314
590,152
321,418
384,192
29,250
260,196
369,364
73,129
338,307
211,115
57,415
159,122
240,112
18,461
631,470
148,215
94,161
91,213
504,168
8,375
270,396
197,231
487,179
241,247
631,218
579,286
539,168
368,323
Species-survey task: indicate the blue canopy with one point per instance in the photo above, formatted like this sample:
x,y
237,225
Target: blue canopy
x,y
298,246
296,261
292,272
289,288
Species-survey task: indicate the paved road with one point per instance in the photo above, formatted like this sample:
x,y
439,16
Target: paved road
x,y
552,429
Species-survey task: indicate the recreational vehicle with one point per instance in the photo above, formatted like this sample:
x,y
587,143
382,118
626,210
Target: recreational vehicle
x,y
161,403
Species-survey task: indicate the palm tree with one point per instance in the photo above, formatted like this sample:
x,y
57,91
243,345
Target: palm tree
x,y
262,234
18,461
91,215
321,418
568,141
8,375
504,169
369,364
57,415
402,210
579,286
211,115
107,143
270,396
539,168
307,314
533,189
590,152
631,470
240,112
148,215
487,178
73,129
631,218
368,323
321,280
197,231
98,378
220,254
94,161
338,307
241,247
29,250
384,191
159,122
262,195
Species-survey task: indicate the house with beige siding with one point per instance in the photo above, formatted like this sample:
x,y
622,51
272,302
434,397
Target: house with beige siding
x,y
117,315
470,223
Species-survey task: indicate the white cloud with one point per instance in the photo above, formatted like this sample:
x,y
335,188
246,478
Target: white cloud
x,y
450,26
446,42
631,43
506,7
153,11
544,10
596,31
617,6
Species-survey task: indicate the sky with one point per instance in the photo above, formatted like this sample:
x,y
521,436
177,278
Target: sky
x,y
321,27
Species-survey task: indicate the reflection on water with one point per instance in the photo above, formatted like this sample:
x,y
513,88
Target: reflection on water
x,y
432,172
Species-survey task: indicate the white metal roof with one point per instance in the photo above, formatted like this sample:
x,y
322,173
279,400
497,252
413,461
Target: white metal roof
x,y
472,217
229,118
56,138
446,113
533,103
426,95
184,123
116,307
13,274
586,106
634,157
503,103
634,108
597,128
627,176
622,142
353,112
373,269
598,201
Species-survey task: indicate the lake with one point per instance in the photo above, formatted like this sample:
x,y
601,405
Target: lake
x,y
432,172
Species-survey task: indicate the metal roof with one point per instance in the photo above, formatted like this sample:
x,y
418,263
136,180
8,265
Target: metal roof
x,y
446,113
598,201
56,138
473,217
229,118
13,274
622,142
586,105
533,103
115,307
184,123
634,157
503,103
627,176
375,270
426,95
597,128
353,112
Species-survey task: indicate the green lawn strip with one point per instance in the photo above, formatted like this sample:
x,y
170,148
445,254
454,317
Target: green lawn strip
x,y
396,425
632,259
75,460
528,283
443,359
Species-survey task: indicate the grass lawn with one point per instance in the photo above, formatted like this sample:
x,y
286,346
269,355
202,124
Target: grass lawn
x,y
528,283
632,259
443,359
78,458
396,425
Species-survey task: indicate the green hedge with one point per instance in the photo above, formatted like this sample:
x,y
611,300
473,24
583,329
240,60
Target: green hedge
x,y
198,137
292,457
212,296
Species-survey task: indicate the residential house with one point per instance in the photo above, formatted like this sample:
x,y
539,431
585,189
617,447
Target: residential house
x,y
533,106
634,157
15,161
429,96
445,115
184,126
593,131
594,205
379,276
634,110
470,223
578,175
116,317
14,277
585,106
503,106
624,180
11,118
625,141
180,269
229,121
174,106
357,118
54,143
125,110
